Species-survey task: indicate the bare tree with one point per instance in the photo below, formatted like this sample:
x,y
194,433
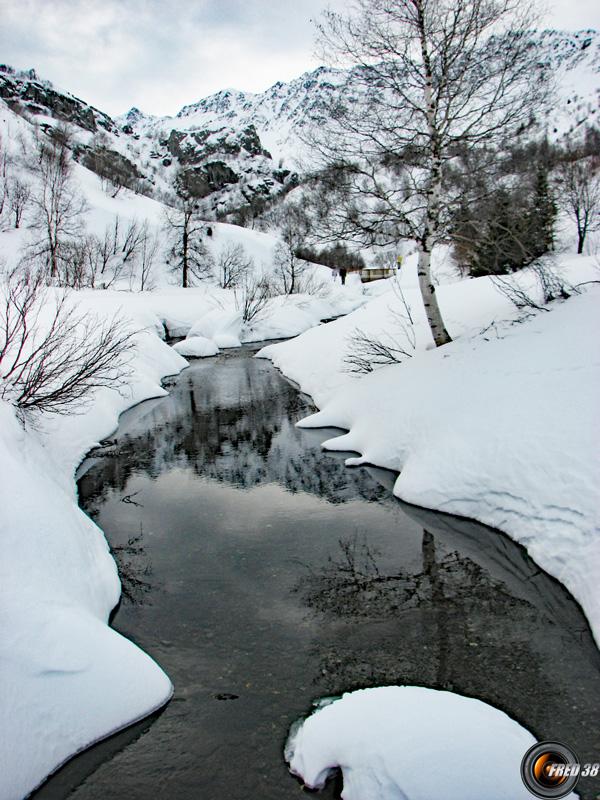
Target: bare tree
x,y
58,205
51,356
19,195
233,264
288,269
101,261
188,254
431,77
5,162
292,226
580,195
146,259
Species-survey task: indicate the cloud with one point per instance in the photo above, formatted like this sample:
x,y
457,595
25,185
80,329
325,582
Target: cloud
x,y
157,55
161,55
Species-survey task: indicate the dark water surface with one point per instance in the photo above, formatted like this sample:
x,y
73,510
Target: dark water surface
x,y
262,574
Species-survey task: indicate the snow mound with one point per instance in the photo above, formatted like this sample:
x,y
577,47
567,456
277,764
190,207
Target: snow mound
x,y
196,347
412,743
226,340
218,320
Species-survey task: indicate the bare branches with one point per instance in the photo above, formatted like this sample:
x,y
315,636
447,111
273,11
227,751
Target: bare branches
x,y
188,256
368,352
579,181
252,295
58,205
19,195
233,264
51,357
548,285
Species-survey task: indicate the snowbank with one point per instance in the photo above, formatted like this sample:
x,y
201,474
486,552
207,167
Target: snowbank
x,y
411,743
213,314
501,427
66,678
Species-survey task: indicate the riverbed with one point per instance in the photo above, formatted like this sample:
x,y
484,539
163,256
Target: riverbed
x,y
262,574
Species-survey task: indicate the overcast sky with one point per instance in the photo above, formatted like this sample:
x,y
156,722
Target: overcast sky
x,y
159,55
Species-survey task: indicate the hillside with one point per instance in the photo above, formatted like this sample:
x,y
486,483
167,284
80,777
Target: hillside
x,y
240,148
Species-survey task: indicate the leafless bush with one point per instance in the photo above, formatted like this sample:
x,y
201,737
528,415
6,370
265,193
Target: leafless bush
x,y
252,295
367,352
233,264
113,256
549,283
51,356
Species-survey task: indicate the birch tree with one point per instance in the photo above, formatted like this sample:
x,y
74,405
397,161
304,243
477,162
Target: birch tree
x,y
430,79
58,205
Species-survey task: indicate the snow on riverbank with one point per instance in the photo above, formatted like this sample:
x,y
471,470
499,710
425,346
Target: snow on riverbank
x,y
411,743
66,678
500,427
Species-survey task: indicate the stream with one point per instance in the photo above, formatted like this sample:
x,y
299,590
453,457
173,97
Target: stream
x,y
262,574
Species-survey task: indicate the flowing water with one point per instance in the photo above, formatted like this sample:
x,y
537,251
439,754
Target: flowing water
x,y
262,574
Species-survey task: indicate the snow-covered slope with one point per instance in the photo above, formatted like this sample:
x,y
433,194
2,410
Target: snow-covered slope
x,y
103,210
282,112
244,147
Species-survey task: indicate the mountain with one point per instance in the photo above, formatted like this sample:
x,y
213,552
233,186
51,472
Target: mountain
x,y
240,148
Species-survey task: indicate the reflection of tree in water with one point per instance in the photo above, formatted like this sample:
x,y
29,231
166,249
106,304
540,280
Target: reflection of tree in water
x,y
233,426
133,567
353,585
449,625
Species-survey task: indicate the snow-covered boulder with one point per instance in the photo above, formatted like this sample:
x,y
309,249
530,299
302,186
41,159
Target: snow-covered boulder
x,y
196,347
225,340
218,320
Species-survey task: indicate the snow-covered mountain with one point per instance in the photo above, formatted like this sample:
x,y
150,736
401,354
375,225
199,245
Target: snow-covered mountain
x,y
241,147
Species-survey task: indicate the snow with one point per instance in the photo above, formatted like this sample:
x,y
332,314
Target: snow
x,y
412,743
500,427
196,347
58,583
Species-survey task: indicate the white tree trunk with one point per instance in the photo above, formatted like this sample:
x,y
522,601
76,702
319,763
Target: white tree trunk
x,y
432,309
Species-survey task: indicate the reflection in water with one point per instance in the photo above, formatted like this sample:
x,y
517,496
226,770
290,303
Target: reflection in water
x,y
134,568
264,574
